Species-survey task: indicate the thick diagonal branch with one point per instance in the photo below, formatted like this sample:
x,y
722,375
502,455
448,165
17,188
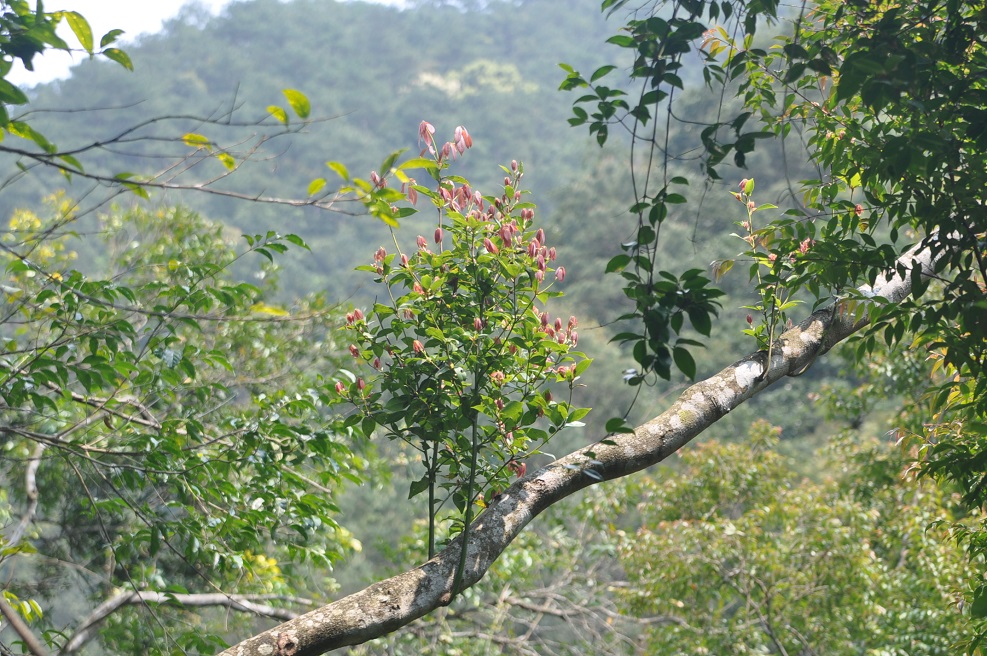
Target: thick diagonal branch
x,y
390,604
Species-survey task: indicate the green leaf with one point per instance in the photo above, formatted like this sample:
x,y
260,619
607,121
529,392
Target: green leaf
x,y
119,56
978,608
10,94
297,241
298,101
618,425
109,38
700,320
80,27
419,486
684,361
622,40
72,162
600,72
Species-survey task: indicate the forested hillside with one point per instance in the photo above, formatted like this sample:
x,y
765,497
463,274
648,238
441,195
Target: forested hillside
x,y
493,70
793,495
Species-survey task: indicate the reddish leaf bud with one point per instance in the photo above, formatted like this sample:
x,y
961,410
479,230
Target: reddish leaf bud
x,y
418,346
558,323
358,314
438,236
422,244
519,468
489,245
560,274
340,388
540,236
404,260
514,165
425,132
349,317
478,324
354,351
360,385
858,209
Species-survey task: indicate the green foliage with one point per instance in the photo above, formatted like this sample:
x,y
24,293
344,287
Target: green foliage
x,y
27,31
140,403
737,556
883,100
464,345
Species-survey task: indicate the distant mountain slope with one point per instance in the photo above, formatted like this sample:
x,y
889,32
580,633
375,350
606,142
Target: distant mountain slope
x,y
378,70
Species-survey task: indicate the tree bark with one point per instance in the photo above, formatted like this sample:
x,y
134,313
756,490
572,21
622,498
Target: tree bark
x,y
392,603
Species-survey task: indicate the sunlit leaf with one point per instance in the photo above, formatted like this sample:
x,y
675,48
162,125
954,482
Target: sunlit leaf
x,y
278,113
80,27
119,56
298,101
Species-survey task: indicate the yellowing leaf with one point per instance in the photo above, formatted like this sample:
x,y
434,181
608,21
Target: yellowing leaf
x,y
298,102
264,308
278,113
194,140
228,161
340,169
315,186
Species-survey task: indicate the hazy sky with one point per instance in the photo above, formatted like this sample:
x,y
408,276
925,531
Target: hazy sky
x,y
134,17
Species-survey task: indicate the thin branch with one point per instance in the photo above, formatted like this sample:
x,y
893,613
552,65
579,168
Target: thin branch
x,y
30,640
244,603
31,492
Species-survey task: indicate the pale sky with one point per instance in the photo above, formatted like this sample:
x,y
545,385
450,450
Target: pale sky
x,y
134,17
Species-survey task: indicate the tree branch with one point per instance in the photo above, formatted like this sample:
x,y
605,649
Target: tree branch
x,y
244,603
30,640
390,604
